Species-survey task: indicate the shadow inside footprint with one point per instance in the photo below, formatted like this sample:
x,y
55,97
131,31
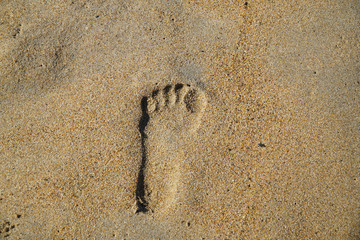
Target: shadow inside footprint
x,y
144,117
140,187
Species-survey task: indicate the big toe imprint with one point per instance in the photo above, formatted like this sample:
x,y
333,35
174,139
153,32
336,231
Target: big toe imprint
x,y
176,97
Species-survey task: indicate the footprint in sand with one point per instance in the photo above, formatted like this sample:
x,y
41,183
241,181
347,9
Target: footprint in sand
x,y
170,116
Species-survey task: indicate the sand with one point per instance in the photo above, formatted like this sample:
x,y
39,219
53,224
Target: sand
x,y
260,140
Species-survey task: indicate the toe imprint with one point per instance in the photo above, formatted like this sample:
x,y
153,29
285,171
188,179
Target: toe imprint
x,y
181,90
160,100
151,105
170,97
194,101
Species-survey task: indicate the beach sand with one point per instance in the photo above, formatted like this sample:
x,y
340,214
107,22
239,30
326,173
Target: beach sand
x,y
179,119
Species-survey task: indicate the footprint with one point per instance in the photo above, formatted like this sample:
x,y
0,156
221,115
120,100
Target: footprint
x,y
170,117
